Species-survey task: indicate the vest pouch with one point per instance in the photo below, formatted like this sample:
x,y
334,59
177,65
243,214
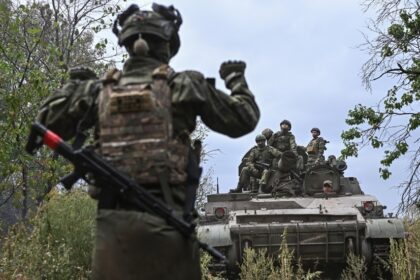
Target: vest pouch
x,y
135,132
310,149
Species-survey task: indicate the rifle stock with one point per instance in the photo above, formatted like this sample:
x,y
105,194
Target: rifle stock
x,y
86,161
261,165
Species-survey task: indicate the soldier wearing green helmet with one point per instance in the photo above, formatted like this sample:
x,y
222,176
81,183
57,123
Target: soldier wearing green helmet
x,y
132,243
315,148
258,165
283,140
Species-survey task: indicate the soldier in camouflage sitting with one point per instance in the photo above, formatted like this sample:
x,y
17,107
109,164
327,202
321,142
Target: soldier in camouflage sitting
x,y
315,148
267,134
260,161
284,140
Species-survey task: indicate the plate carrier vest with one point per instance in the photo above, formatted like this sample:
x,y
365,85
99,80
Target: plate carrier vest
x,y
136,131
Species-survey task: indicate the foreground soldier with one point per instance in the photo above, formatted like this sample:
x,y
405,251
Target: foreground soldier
x,y
259,163
315,148
142,127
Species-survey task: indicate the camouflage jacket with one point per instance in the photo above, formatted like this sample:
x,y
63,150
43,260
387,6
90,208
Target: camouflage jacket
x,y
283,141
316,147
233,115
263,155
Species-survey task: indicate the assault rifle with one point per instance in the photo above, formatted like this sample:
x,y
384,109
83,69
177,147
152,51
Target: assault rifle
x,y
261,165
87,163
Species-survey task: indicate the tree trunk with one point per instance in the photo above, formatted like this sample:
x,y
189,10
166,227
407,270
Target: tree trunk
x,y
25,192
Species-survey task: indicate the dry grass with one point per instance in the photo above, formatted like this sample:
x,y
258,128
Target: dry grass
x,y
258,265
57,244
355,269
404,261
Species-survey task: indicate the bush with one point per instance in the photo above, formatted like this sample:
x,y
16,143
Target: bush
x,y
355,269
404,260
206,274
56,243
258,265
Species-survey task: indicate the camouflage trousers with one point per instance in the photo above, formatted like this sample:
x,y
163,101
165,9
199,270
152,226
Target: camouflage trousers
x,y
266,174
314,159
245,178
137,245
250,171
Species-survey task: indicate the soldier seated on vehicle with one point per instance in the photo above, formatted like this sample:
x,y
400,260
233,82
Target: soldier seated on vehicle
x,y
267,134
283,140
258,164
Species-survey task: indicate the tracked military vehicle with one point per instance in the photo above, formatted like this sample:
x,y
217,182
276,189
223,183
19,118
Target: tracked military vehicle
x,y
320,227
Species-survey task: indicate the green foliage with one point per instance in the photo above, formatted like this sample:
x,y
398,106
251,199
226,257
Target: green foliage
x,y
256,265
355,269
392,124
39,42
205,260
259,265
404,260
56,243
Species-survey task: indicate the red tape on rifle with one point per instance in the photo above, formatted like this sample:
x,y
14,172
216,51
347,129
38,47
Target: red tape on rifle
x,y
51,139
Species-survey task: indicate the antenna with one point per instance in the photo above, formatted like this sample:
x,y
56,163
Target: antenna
x,y
217,185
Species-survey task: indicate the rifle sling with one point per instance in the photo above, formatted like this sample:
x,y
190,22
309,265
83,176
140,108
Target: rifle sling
x,y
162,175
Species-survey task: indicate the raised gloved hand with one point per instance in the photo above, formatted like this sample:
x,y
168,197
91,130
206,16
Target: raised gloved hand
x,y
231,66
231,70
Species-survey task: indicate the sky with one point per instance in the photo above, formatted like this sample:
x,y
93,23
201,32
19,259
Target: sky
x,y
303,64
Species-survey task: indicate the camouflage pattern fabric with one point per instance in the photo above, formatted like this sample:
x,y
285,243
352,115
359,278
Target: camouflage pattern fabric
x,y
244,160
283,141
315,150
245,177
135,131
134,245
233,115
267,155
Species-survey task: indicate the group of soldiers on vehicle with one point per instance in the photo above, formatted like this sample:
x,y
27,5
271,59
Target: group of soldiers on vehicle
x,y
278,152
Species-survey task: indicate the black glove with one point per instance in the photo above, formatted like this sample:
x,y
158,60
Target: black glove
x,y
231,66
233,73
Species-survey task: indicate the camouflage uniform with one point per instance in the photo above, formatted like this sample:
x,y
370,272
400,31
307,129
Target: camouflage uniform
x,y
266,155
244,160
132,244
283,141
315,148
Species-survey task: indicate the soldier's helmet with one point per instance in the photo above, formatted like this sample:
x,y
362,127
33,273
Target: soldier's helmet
x,y
327,183
260,137
162,22
316,129
286,122
267,133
